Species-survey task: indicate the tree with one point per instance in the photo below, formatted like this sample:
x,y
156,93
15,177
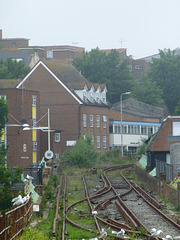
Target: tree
x,y
165,72
147,91
177,109
99,67
11,69
7,176
82,154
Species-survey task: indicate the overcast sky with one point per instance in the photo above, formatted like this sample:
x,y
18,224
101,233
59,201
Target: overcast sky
x,y
141,26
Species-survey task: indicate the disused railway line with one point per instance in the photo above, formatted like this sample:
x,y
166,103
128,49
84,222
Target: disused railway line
x,y
116,195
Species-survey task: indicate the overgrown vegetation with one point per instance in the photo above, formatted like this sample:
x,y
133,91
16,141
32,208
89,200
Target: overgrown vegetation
x,y
160,85
106,68
44,227
82,154
75,191
7,176
33,234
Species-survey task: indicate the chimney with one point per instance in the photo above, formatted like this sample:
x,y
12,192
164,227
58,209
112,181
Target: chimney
x,y
0,34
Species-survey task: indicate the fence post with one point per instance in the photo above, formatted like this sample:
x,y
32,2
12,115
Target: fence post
x,y
178,193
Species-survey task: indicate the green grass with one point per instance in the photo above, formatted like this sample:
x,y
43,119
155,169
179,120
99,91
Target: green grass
x,y
74,233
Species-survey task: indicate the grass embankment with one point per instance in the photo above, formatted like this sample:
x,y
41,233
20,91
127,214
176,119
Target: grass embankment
x,y
75,191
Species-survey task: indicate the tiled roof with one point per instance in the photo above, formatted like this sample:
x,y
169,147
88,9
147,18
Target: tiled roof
x,y
65,72
77,85
9,83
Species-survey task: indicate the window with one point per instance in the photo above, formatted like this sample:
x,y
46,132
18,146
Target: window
x,y
3,96
84,95
104,97
143,130
124,129
104,141
98,141
84,120
111,129
92,140
137,66
150,130
98,121
130,129
91,120
34,101
117,129
91,97
57,137
49,54
56,155
104,121
97,97
175,128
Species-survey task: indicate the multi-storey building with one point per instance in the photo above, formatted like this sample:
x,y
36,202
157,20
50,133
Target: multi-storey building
x,y
139,120
76,106
23,108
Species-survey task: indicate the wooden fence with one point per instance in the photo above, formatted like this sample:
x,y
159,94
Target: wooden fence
x,y
13,220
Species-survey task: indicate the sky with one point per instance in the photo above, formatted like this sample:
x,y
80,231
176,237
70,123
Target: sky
x,y
141,26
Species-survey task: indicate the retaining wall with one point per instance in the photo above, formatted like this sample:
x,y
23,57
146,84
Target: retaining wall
x,y
159,187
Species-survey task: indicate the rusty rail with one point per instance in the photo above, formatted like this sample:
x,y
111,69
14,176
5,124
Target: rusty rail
x,y
128,215
57,208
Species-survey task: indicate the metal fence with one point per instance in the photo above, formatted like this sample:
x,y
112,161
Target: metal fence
x,y
35,171
13,220
163,167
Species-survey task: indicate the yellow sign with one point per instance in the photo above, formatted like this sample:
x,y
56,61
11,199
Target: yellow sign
x,y
2,138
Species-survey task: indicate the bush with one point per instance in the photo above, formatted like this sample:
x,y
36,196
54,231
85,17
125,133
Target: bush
x,y
82,154
33,234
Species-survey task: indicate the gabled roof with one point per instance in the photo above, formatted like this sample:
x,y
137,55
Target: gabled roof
x,y
159,141
9,83
55,76
65,71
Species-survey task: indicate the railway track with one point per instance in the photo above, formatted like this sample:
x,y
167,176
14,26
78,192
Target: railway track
x,y
110,202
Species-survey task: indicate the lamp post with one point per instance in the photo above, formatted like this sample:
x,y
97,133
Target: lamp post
x,y
48,153
126,93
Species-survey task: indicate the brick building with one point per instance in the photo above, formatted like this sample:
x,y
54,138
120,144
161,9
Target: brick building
x,y
139,120
159,144
76,106
21,151
13,42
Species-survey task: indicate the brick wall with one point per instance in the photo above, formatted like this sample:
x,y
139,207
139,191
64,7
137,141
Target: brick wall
x,y
20,107
64,109
14,43
159,187
95,131
160,142
116,115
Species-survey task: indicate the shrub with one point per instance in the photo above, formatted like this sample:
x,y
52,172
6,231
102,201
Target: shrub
x,y
82,154
33,234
